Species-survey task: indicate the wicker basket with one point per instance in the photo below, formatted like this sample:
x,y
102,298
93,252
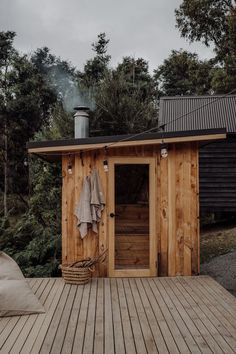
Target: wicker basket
x,y
80,272
76,275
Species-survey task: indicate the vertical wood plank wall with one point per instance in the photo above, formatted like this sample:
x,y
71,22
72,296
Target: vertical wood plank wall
x,y
177,226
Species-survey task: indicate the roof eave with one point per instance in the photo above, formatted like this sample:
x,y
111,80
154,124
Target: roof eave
x,y
214,134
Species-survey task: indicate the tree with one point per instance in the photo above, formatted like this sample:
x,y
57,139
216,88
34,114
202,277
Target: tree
x,y
60,76
214,23
61,125
25,102
126,99
182,73
95,68
34,239
94,72
209,21
137,76
27,106
6,56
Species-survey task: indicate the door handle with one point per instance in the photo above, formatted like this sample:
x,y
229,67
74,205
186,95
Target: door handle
x,y
112,215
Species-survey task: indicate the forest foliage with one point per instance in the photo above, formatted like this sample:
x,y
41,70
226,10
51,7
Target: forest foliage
x,y
37,96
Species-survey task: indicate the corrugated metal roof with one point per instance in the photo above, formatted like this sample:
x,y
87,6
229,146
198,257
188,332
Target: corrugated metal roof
x,y
210,112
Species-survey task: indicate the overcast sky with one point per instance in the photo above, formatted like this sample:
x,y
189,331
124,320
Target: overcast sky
x,y
68,27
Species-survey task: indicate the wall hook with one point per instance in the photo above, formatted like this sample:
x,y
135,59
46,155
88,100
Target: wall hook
x,y
81,157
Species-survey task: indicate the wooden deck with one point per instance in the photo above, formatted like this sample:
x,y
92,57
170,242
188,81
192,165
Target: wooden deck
x,y
142,315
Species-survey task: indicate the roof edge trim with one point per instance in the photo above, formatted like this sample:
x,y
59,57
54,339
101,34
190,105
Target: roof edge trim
x,y
61,146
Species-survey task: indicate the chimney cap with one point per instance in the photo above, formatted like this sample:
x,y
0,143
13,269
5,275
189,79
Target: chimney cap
x,y
81,108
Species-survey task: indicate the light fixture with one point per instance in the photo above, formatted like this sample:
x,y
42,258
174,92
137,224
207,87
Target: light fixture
x,y
69,169
69,166
25,162
164,151
105,165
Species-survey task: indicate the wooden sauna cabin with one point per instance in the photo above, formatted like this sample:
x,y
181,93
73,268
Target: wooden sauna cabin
x,y
150,223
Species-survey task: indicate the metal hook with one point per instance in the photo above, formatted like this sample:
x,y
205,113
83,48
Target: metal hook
x,y
81,157
106,150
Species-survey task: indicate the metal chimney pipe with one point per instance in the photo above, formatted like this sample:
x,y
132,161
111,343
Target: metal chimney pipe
x,y
81,122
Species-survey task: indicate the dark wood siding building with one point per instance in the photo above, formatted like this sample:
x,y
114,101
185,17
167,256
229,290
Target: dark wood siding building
x,y
217,160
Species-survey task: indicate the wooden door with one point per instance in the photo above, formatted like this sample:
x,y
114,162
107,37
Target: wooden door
x,y
132,222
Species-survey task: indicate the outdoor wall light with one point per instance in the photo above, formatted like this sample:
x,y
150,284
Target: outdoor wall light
x,y
69,169
164,151
105,165
69,166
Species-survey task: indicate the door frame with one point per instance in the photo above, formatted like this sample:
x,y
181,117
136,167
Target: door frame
x,y
152,271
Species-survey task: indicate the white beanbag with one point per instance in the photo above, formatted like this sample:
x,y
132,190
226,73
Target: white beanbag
x,y
16,296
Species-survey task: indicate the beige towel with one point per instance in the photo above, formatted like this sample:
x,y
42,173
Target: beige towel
x,y
83,209
90,205
97,199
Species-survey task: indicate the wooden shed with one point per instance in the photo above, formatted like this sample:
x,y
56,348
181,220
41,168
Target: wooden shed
x,y
150,224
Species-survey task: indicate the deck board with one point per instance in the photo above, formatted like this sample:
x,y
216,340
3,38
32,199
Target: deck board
x,y
82,319
142,315
216,319
99,322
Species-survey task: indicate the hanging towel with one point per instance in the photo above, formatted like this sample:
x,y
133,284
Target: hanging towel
x,y
90,205
97,199
83,209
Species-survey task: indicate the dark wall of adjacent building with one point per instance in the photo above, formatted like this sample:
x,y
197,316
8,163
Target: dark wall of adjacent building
x,y
217,162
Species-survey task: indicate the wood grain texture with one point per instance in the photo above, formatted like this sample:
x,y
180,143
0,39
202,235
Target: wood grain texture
x,y
164,216
151,315
172,212
133,217
70,202
175,211
64,210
